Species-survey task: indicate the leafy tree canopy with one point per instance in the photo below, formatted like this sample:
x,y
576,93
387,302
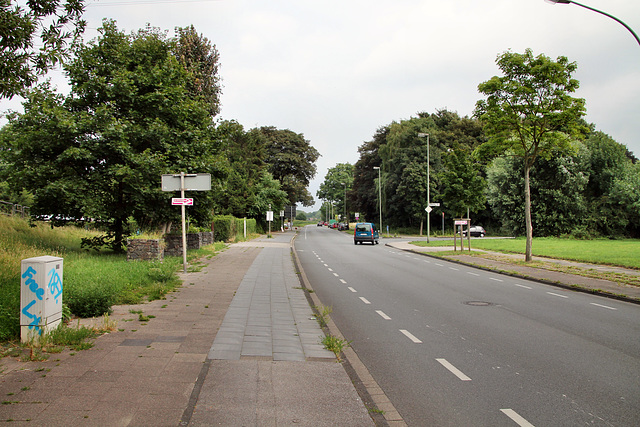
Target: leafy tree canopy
x,y
528,113
48,23
99,152
291,160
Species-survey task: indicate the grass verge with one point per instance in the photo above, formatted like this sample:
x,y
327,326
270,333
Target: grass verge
x,y
622,253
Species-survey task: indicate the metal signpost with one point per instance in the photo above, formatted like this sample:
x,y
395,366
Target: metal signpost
x,y
185,182
269,218
461,222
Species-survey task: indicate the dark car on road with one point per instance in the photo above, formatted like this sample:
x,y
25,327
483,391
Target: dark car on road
x,y
475,231
365,232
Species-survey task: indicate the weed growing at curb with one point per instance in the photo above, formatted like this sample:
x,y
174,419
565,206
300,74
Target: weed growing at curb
x,y
323,313
335,344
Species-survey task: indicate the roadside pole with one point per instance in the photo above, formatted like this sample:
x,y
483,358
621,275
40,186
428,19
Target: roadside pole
x,y
185,182
184,226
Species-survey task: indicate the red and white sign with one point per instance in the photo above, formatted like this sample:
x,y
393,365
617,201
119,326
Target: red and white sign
x,y
179,201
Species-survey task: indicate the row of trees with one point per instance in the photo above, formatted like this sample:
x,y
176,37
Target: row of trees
x,y
526,163
141,105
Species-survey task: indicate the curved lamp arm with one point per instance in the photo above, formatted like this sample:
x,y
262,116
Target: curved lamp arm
x,y
599,11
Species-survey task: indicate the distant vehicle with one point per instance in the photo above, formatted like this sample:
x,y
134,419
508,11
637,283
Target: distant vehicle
x,y
343,226
475,231
365,232
320,224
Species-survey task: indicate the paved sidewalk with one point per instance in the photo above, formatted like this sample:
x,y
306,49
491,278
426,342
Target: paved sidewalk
x,y
500,262
265,366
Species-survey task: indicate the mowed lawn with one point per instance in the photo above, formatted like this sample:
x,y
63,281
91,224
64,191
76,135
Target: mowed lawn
x,y
624,253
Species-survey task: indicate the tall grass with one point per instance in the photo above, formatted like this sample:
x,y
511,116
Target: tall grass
x,y
92,281
623,253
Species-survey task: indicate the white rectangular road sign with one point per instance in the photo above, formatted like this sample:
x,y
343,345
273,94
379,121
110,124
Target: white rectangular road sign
x,y
192,182
178,201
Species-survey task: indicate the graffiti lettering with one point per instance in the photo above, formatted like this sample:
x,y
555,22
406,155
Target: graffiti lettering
x,y
33,286
55,284
35,323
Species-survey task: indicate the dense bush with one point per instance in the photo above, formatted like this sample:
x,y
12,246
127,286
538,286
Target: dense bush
x,y
91,301
228,228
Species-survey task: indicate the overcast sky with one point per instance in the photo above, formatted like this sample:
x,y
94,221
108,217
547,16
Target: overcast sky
x,y
336,71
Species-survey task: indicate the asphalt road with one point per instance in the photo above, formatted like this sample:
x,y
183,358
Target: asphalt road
x,y
453,345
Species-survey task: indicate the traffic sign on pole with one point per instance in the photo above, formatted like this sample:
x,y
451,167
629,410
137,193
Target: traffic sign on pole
x,y
180,201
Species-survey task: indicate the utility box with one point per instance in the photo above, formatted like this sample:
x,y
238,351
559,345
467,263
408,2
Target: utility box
x,y
40,296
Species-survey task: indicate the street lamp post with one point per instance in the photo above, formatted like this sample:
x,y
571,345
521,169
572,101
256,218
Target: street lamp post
x,y
345,202
599,11
379,195
422,135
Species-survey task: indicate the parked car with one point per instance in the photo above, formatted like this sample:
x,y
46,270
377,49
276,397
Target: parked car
x,y
365,232
343,226
475,231
320,224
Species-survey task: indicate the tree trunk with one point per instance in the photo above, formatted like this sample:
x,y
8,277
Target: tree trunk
x,y
527,212
421,224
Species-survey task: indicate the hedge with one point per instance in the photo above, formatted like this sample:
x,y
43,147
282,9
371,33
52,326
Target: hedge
x,y
227,228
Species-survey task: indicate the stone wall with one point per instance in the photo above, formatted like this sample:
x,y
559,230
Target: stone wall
x,y
207,238
173,244
144,249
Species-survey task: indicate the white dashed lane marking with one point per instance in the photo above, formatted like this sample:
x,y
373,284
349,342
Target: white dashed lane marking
x,y
455,371
364,300
516,418
410,336
383,315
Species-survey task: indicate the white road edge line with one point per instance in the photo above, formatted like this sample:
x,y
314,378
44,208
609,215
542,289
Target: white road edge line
x,y
455,371
410,336
516,418
383,315
351,289
364,300
603,306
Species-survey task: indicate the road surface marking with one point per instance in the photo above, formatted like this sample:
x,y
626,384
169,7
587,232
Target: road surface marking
x,y
410,336
497,280
343,281
384,316
473,274
516,418
439,265
523,286
426,260
453,268
364,300
351,289
557,295
603,306
330,269
455,371
336,274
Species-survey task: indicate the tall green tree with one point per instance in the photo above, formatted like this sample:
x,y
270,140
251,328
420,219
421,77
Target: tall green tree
x,y
291,160
363,197
201,60
52,24
465,186
529,113
336,185
100,151
611,172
